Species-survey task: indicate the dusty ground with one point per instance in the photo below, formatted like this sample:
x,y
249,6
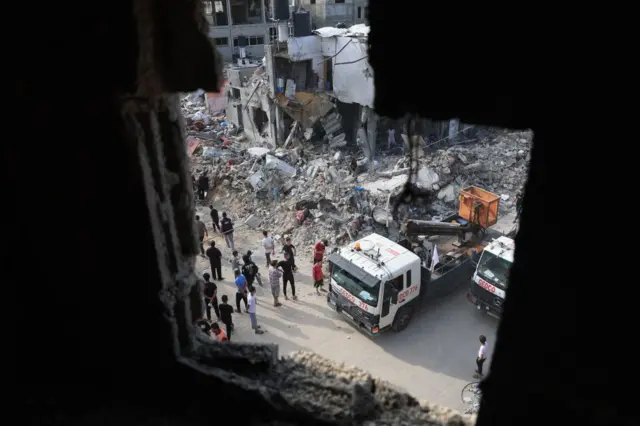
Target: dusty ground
x,y
432,359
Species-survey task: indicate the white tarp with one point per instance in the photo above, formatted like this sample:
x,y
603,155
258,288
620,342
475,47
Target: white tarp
x,y
330,31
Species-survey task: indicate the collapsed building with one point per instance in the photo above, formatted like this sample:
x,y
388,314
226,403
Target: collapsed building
x,y
279,143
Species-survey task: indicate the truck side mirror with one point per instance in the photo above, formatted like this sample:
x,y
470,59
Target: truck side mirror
x,y
394,297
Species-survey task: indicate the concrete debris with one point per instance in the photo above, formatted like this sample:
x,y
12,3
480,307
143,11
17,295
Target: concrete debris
x,y
309,191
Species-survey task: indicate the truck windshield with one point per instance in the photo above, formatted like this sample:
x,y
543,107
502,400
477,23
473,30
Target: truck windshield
x,y
363,291
494,269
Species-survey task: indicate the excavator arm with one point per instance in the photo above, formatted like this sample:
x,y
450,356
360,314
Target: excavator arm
x,y
412,227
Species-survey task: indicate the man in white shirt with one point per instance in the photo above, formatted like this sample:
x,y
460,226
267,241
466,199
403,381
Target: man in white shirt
x,y
482,356
252,311
269,246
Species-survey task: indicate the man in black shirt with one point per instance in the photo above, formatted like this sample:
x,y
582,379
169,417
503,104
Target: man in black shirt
x,y
215,219
203,185
215,258
290,249
210,296
286,266
226,310
226,226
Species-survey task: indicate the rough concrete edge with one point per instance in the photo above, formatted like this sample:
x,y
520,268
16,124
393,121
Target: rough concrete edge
x,y
309,385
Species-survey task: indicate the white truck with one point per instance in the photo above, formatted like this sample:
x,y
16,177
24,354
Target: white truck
x,y
378,284
489,282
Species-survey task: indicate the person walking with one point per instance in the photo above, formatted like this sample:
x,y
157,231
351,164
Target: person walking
x,y
269,246
226,312
287,276
201,229
215,259
215,219
226,226
219,333
318,250
482,356
250,269
241,290
235,261
290,249
318,276
210,296
203,185
274,282
252,311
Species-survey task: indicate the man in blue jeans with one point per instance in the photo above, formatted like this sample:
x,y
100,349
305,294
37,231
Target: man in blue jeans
x,y
252,311
241,291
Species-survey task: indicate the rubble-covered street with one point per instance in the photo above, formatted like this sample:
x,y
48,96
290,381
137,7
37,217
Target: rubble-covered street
x,y
295,160
307,190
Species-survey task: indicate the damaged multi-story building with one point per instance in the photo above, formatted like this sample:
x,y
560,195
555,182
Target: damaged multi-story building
x,y
317,82
238,23
314,84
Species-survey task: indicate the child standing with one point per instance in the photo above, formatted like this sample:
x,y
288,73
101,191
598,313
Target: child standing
x,y
252,311
274,282
318,277
226,310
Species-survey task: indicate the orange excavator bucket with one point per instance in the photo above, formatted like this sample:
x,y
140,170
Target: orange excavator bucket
x,y
478,206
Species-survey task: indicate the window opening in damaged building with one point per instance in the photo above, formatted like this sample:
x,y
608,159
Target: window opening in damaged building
x,y
260,119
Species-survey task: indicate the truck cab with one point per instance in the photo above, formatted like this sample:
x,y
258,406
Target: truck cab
x,y
489,283
373,281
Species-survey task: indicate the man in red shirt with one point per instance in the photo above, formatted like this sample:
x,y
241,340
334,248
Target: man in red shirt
x,y
318,250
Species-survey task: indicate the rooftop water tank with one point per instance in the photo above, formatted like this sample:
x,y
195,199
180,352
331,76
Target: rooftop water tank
x,y
281,10
301,24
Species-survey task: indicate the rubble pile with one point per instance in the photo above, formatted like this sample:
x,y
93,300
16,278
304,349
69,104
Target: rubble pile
x,y
497,164
308,190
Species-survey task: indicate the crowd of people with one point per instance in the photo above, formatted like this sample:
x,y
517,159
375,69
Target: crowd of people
x,y
245,273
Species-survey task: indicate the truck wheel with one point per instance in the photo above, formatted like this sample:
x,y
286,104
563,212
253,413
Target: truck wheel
x,y
402,319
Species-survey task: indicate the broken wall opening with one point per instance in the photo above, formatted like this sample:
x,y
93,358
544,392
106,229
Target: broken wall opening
x,y
301,72
328,72
350,119
260,119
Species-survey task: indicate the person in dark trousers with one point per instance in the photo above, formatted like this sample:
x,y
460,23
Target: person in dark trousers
x,y
353,166
290,249
241,290
482,356
215,259
210,296
202,232
250,269
287,276
226,226
203,185
518,205
215,219
226,312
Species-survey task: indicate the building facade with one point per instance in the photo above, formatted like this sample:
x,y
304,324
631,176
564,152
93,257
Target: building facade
x,y
329,13
229,20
